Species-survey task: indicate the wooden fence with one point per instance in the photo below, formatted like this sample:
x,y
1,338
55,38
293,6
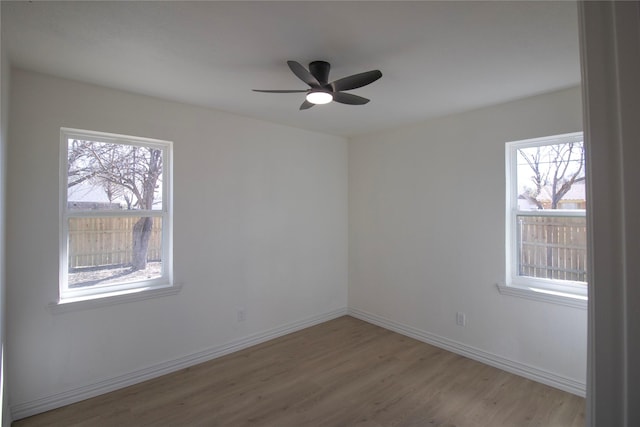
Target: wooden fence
x,y
103,242
553,247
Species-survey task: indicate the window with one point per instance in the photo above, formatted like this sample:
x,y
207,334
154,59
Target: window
x,y
115,215
546,223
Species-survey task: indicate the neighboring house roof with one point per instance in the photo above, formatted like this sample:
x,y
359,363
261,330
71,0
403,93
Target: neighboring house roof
x,y
577,192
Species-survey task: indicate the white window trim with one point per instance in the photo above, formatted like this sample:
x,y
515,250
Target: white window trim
x,y
568,293
69,300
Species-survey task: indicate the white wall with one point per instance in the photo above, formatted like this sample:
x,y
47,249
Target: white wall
x,y
260,224
4,116
427,239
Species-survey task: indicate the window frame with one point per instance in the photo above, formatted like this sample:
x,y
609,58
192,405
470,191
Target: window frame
x,y
565,292
165,213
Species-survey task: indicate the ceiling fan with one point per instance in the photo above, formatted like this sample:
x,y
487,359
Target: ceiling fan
x,y
321,90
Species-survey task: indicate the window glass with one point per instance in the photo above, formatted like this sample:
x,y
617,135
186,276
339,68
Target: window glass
x,y
551,176
552,247
108,176
101,250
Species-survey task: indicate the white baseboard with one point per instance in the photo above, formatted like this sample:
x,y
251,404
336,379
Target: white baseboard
x,y
521,369
26,409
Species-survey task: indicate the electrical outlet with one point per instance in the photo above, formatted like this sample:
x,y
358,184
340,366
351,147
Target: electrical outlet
x,y
241,315
461,319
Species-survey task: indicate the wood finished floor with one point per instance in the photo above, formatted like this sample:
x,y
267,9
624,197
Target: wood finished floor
x,y
341,373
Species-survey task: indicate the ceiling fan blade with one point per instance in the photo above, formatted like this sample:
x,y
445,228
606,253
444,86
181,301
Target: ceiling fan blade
x,y
355,81
279,91
348,98
306,105
303,74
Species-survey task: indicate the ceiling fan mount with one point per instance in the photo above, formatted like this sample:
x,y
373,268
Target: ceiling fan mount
x,y
320,70
321,91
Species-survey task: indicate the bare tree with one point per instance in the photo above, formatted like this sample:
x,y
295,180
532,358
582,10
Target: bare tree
x,y
555,169
126,172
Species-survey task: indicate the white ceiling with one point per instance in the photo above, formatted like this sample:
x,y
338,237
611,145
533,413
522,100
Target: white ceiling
x,y
436,58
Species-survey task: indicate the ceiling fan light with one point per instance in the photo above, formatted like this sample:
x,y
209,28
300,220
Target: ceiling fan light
x,y
319,97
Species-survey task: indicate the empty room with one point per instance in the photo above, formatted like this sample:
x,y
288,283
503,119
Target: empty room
x,y
307,213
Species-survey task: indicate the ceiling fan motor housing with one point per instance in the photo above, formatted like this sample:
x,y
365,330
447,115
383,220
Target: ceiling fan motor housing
x,y
320,70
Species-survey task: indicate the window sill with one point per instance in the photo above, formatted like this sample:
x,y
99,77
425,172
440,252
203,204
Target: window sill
x,y
94,301
544,295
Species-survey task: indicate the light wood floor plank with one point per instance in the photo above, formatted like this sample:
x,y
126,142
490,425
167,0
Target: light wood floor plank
x,y
345,372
